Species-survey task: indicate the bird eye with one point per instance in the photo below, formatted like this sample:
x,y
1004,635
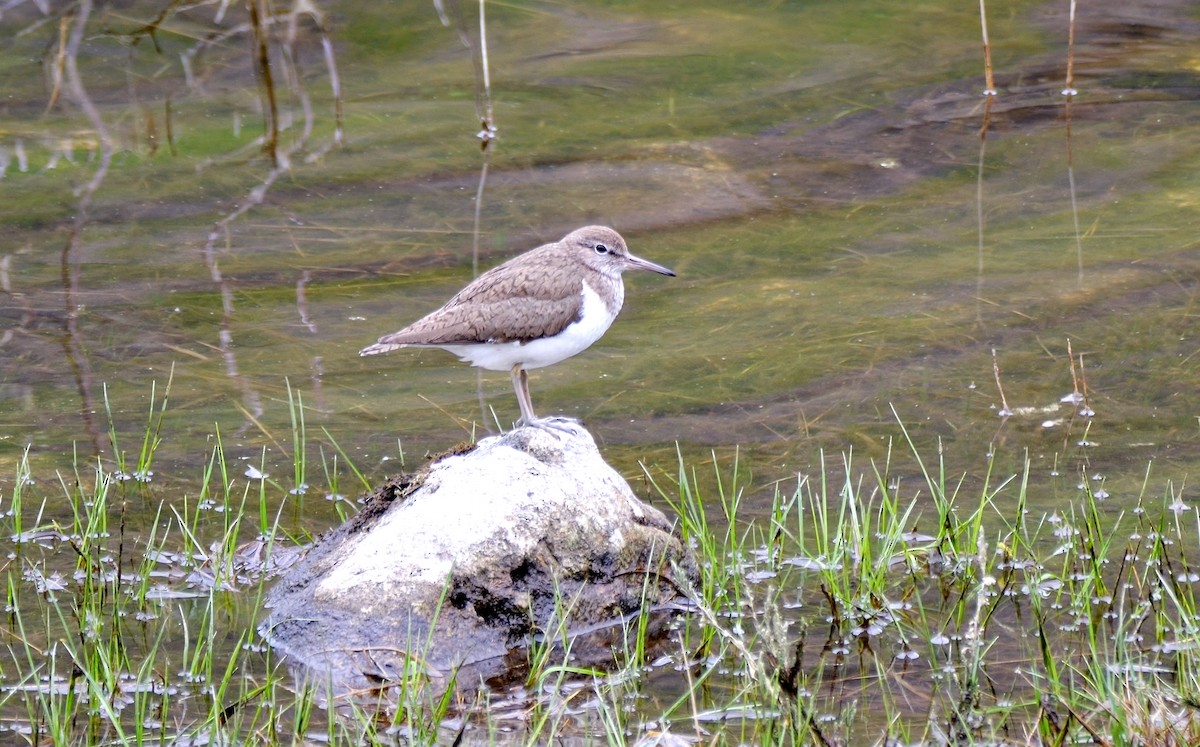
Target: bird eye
x,y
601,249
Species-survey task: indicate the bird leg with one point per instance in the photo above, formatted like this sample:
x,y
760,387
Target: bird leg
x,y
520,380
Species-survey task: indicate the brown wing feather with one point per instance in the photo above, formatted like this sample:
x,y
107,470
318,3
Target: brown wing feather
x,y
515,302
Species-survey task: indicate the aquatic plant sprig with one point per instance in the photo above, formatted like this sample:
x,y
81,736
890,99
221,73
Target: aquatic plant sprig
x,y
141,471
299,441
718,552
14,516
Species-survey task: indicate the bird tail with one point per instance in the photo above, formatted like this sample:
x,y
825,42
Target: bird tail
x,y
379,347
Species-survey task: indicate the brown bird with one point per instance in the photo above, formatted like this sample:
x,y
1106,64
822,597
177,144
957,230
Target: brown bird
x,y
535,310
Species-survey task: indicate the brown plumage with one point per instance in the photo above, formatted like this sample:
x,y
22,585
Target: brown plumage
x,y
517,301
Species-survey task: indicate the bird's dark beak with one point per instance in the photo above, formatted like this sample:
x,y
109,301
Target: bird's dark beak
x,y
638,263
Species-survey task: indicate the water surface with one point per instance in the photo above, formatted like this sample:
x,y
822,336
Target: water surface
x,y
862,240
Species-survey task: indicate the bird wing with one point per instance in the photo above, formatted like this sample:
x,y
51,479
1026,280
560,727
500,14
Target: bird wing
x,y
505,304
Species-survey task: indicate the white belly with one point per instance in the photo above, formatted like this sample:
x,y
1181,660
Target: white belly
x,y
577,337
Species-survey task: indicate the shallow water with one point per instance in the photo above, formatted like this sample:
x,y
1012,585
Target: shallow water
x,y
853,256
820,199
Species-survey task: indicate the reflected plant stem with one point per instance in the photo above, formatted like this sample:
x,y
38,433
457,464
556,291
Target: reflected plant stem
x,y
281,164
487,134
250,397
72,342
58,71
1069,92
262,60
989,94
277,123
317,367
483,172
1074,203
335,81
15,301
302,302
979,221
76,354
169,125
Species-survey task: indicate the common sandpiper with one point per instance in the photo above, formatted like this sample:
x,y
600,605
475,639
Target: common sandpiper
x,y
535,310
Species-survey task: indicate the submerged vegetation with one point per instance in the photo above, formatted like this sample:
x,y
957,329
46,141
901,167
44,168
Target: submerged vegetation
x,y
879,599
859,610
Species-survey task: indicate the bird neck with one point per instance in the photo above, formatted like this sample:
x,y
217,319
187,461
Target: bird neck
x,y
610,290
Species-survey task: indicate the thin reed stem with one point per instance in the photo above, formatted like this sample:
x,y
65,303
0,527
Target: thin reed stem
x,y
989,81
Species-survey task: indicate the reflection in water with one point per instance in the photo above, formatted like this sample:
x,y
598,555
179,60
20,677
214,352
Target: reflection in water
x,y
258,26
281,156
302,302
17,300
479,61
1005,411
72,344
18,153
820,294
276,52
483,172
1069,91
989,97
266,80
250,397
75,353
1071,187
485,113
317,366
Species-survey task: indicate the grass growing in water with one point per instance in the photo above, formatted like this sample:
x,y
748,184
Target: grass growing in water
x,y
854,610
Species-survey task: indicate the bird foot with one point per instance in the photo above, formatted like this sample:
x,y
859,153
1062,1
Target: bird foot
x,y
557,426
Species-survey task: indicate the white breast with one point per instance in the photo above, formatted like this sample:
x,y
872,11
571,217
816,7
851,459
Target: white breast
x,y
577,337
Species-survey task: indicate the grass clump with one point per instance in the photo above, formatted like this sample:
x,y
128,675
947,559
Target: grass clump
x,y
130,613
849,614
850,609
